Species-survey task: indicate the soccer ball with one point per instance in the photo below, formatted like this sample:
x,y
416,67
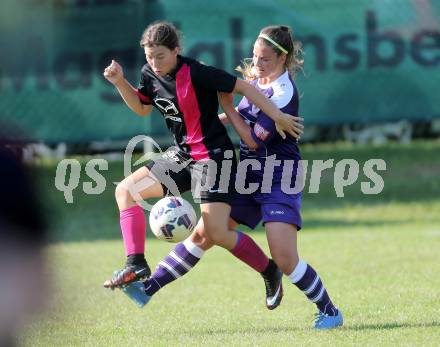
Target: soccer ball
x,y
172,219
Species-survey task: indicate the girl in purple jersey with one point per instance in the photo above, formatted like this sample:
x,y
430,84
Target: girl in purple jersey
x,y
185,92
276,57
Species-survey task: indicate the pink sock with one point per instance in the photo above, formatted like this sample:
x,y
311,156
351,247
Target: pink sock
x,y
250,253
133,224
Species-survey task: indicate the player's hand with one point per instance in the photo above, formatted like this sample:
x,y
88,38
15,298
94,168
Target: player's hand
x,y
290,124
114,73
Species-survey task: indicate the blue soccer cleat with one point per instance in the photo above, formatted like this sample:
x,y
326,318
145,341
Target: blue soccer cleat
x,y
136,292
324,321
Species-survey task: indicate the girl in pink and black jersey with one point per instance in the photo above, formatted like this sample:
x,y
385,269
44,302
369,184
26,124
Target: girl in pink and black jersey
x,y
185,92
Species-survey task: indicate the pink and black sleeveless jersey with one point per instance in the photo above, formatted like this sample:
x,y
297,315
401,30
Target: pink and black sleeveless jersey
x,y
187,98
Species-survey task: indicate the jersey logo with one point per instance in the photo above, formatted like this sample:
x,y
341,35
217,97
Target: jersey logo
x,y
254,109
171,154
166,106
176,119
260,132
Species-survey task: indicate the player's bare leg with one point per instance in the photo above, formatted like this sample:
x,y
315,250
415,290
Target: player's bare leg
x,y
282,239
187,254
141,184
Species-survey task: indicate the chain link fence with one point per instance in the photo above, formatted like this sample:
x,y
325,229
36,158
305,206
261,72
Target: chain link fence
x,y
366,62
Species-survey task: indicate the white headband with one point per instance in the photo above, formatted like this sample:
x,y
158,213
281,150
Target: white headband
x,y
281,48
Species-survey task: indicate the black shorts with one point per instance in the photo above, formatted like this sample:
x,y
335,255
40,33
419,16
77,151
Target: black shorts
x,y
210,180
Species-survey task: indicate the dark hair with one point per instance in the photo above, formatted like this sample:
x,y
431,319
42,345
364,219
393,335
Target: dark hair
x,y
161,34
282,35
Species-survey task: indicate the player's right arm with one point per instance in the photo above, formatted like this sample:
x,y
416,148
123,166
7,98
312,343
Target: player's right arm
x,y
115,75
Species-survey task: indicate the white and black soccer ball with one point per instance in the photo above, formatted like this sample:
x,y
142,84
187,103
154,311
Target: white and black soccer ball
x,y
172,219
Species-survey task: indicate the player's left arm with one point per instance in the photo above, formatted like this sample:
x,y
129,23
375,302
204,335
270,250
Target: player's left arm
x,y
240,126
284,122
223,118
221,81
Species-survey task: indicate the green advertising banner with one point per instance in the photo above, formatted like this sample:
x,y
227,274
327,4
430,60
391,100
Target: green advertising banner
x,y
366,61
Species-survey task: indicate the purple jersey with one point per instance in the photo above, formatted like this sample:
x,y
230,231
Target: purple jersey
x,y
284,95
276,206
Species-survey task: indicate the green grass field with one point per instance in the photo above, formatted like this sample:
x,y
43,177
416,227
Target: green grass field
x,y
379,257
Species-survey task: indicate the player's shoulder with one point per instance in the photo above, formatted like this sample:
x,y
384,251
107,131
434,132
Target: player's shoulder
x,y
192,63
146,69
283,84
147,73
198,70
284,90
195,67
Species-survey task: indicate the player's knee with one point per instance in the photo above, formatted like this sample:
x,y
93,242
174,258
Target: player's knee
x,y
285,261
218,236
121,193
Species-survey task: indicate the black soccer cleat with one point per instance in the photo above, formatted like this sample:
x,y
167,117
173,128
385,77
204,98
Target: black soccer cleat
x,y
128,275
274,287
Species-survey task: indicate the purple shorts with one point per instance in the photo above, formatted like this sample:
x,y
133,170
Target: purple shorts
x,y
277,206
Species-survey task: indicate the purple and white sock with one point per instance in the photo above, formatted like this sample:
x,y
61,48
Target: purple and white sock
x,y
176,264
306,279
